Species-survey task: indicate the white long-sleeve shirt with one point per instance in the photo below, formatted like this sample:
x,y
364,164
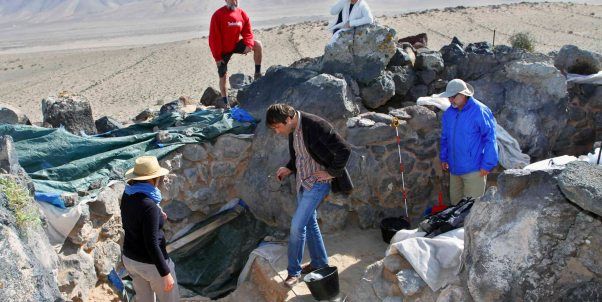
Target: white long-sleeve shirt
x,y
359,15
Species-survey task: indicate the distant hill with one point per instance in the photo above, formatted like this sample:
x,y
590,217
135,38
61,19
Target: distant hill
x,y
46,11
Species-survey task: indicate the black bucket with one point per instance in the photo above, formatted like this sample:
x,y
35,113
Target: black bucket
x,y
390,226
327,287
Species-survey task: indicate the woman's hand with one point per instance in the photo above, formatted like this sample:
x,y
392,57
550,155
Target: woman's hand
x,y
168,283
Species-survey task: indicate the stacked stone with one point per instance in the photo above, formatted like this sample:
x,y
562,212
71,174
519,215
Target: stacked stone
x,y
584,125
375,163
203,177
93,248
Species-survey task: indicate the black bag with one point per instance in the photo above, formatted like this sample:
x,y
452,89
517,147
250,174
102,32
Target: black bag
x,y
448,219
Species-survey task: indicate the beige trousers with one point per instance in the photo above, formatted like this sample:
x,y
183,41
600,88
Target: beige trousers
x,y
466,185
148,284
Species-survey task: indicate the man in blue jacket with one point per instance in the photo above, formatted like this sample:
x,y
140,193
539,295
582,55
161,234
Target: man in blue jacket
x,y
468,143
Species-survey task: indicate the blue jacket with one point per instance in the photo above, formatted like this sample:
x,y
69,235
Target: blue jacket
x,y
468,141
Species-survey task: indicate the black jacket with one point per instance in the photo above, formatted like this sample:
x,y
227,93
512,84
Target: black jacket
x,y
327,148
144,239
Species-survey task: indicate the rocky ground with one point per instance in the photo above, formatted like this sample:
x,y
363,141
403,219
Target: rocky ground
x,y
368,84
121,82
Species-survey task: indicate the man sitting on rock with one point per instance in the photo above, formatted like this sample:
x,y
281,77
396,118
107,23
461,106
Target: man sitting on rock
x,y
228,24
351,13
318,157
468,142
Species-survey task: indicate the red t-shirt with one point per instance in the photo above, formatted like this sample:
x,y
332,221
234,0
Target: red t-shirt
x,y
225,30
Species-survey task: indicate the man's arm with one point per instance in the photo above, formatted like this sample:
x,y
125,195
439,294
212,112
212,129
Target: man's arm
x,y
366,18
487,131
443,152
338,7
215,38
247,32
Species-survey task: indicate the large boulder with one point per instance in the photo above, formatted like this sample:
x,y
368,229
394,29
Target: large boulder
x,y
584,125
107,254
70,111
272,87
362,52
9,161
321,94
28,265
379,91
403,78
401,58
240,80
525,92
572,59
526,240
77,274
106,124
211,97
10,115
427,59
581,183
27,260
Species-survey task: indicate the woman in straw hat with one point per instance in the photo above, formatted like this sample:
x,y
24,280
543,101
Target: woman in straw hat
x,y
144,253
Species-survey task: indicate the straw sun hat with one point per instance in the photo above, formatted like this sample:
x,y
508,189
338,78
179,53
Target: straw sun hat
x,y
147,167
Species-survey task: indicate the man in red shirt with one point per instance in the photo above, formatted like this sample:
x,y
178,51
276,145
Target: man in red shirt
x,y
228,24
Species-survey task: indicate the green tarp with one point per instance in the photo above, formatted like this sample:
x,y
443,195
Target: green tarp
x,y
210,265
59,161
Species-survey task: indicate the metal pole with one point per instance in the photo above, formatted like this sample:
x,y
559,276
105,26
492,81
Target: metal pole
x,y
403,183
493,38
599,153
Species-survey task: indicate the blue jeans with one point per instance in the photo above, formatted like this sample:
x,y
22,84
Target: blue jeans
x,y
305,222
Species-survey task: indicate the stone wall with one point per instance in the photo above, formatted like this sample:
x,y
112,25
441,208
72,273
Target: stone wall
x,y
584,124
203,177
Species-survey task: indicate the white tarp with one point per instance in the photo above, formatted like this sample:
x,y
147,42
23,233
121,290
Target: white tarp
x,y
60,221
592,158
271,252
509,152
436,260
560,162
441,103
595,78
551,163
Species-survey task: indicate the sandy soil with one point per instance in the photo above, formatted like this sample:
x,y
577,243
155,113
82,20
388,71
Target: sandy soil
x,y
350,250
121,82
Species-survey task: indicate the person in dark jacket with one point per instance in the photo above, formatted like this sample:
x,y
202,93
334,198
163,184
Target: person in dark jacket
x,y
318,156
144,253
468,143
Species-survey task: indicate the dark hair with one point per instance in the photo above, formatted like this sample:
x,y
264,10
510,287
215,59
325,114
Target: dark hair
x,y
278,113
134,181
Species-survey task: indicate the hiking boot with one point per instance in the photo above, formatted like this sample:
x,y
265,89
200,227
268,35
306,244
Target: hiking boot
x,y
258,75
306,269
291,281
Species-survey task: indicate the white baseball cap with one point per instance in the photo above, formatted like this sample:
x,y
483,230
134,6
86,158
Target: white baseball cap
x,y
457,86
